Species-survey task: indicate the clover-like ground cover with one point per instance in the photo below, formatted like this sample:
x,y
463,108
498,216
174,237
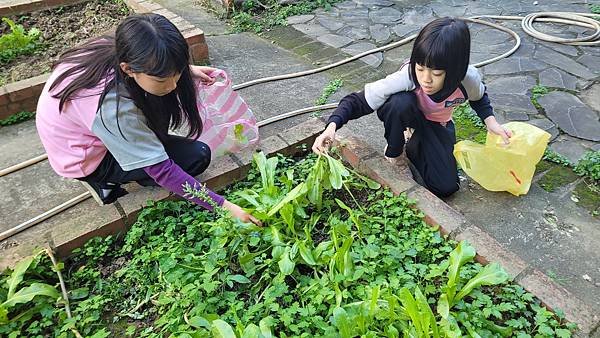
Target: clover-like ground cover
x,y
337,256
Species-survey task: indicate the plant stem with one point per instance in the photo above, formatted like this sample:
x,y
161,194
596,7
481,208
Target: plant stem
x,y
63,289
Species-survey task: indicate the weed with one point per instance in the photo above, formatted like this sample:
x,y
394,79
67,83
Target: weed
x,y
554,157
589,165
331,88
536,92
337,256
17,42
17,118
258,16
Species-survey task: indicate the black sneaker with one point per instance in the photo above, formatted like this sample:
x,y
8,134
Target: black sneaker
x,y
104,193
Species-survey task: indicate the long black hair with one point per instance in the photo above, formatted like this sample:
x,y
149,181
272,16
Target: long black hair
x,y
444,44
149,44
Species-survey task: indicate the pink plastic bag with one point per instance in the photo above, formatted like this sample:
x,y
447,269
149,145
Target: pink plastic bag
x,y
228,123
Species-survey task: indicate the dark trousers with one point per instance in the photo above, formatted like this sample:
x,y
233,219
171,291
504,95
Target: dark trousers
x,y
192,156
429,148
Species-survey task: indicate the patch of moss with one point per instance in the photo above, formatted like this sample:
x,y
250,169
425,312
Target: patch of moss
x,y
588,195
468,125
556,177
543,166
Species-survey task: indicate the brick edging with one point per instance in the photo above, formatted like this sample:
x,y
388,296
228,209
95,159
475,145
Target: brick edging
x,y
16,7
23,95
118,217
453,224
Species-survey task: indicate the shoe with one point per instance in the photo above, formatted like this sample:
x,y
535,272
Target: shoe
x,y
408,134
104,193
392,160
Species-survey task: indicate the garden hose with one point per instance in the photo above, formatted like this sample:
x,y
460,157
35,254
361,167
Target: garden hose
x,y
578,19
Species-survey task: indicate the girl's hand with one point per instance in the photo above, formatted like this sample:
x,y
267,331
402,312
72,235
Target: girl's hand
x,y
240,214
202,73
494,127
325,140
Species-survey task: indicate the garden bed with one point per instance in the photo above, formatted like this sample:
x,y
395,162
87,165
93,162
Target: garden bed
x,y
64,27
336,256
60,28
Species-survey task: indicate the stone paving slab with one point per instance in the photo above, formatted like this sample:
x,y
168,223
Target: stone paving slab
x,y
12,138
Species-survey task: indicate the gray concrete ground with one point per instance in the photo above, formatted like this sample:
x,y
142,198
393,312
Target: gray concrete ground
x,y
548,230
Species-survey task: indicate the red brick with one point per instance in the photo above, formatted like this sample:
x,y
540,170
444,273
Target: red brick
x,y
396,177
353,149
4,99
437,211
20,94
556,297
29,104
194,36
5,112
199,53
13,108
489,250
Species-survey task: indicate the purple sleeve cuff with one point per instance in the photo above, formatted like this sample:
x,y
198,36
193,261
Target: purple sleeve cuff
x,y
170,176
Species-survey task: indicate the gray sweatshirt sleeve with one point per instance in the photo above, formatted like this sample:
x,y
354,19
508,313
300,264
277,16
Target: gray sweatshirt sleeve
x,y
476,93
376,93
125,134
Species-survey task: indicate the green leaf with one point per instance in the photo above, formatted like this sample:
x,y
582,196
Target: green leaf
x,y
239,278
251,331
265,330
27,294
3,315
298,191
411,308
458,257
341,320
17,275
491,274
286,265
563,333
199,322
336,172
426,313
102,333
443,308
221,329
306,254
287,213
450,327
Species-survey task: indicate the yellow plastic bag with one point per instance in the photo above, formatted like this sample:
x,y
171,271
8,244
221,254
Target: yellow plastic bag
x,y
499,167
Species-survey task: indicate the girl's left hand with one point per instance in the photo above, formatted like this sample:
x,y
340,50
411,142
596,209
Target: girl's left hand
x,y
494,127
202,72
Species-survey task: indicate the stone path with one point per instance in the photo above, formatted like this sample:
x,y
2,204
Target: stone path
x,y
568,71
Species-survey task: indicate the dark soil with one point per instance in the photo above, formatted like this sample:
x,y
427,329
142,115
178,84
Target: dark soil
x,y
62,28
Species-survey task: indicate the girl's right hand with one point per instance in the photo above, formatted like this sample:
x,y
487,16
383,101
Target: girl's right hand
x,y
239,213
325,140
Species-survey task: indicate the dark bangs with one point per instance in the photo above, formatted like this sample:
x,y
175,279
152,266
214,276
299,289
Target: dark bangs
x,y
158,48
444,44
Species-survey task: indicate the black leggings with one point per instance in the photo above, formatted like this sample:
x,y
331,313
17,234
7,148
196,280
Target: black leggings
x,y
192,156
429,148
